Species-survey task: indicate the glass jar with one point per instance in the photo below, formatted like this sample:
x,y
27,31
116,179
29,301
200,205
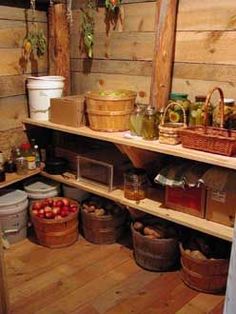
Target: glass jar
x,y
228,112
196,112
150,124
136,120
21,165
135,184
175,114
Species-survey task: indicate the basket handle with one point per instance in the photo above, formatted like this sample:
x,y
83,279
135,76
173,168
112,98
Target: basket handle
x,y
221,104
168,106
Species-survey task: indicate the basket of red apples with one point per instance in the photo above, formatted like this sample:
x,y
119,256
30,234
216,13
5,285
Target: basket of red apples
x,y
55,221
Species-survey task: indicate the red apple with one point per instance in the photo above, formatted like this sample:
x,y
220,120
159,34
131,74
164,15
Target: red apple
x,y
41,211
50,201
41,215
35,212
64,213
48,209
73,209
59,203
65,208
65,201
58,217
37,205
49,215
56,210
45,203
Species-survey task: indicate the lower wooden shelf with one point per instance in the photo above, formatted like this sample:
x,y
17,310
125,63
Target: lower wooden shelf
x,y
151,206
12,178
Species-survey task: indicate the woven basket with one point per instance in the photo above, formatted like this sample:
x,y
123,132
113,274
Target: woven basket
x,y
169,132
105,229
155,254
110,113
56,233
208,275
210,139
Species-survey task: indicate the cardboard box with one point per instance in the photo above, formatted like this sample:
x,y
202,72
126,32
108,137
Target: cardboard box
x,y
221,206
68,110
189,200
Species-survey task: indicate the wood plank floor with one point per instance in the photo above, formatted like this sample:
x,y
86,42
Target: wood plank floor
x,y
93,279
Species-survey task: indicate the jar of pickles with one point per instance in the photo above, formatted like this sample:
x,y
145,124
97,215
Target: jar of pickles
x,y
175,114
196,111
150,124
136,119
229,109
135,184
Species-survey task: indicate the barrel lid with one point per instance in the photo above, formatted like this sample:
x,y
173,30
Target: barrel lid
x,y
11,197
40,186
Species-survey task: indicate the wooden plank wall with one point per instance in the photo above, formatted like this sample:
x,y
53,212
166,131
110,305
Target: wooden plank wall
x,y
204,53
13,101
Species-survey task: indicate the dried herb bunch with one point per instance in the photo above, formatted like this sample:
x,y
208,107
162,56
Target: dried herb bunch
x,y
35,40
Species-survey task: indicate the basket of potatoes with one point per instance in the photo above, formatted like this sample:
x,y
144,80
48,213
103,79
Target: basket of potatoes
x,y
103,221
155,245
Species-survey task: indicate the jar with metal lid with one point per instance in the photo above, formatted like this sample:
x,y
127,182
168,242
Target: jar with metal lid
x,y
136,120
175,114
135,184
229,109
150,124
196,111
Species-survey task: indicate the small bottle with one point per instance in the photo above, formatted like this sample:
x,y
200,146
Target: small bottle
x,y
21,162
28,155
37,156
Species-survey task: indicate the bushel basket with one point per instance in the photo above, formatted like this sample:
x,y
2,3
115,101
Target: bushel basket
x,y
215,140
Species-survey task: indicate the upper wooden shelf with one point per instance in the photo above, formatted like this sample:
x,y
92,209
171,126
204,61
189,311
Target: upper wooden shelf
x,y
12,178
155,146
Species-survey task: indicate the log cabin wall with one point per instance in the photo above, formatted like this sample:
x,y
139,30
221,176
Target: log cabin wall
x,y
204,52
13,71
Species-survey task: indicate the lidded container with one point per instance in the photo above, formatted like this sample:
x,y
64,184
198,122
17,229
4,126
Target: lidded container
x,y
40,188
135,184
150,124
13,214
136,120
229,111
196,111
175,114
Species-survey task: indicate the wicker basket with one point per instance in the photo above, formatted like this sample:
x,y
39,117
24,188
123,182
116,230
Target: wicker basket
x,y
155,254
210,139
56,233
105,229
110,113
169,132
208,275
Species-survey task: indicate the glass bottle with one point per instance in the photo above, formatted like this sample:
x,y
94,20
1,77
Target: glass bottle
x,y
135,184
28,155
136,120
21,163
37,155
150,124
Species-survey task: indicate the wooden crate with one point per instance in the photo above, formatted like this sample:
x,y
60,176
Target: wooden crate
x,y
189,200
68,110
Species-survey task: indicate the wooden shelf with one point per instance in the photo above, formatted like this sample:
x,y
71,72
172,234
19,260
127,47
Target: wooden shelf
x,y
155,146
14,177
151,206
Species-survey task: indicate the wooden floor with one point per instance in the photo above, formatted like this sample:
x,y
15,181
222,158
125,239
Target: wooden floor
x,y
91,279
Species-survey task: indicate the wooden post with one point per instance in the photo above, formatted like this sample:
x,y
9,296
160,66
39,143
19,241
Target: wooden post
x,y
4,301
164,52
59,44
230,297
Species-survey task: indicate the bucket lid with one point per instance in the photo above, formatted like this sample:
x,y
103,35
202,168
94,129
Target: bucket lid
x,y
41,186
11,197
47,78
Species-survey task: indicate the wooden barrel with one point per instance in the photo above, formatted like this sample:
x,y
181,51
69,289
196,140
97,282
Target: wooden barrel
x,y
155,254
208,275
105,229
110,112
56,233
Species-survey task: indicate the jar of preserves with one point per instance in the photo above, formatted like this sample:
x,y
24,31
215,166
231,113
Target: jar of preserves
x,y
150,124
136,120
229,108
135,184
175,114
196,111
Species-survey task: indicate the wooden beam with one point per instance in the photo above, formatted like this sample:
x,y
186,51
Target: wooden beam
x,y
59,44
4,300
166,12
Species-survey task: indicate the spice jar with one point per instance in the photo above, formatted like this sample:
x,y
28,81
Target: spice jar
x,y
136,120
150,124
135,184
175,114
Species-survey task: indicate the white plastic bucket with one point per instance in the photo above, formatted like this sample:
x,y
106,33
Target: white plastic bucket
x,y
13,214
40,90
40,188
74,193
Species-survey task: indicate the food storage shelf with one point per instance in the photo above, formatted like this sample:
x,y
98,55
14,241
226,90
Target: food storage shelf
x,y
12,178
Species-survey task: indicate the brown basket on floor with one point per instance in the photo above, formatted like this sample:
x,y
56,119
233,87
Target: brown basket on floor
x,y
210,139
155,254
208,275
56,233
169,131
105,229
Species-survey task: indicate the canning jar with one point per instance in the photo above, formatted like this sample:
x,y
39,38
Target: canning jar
x,y
136,120
150,124
229,109
135,184
175,114
196,111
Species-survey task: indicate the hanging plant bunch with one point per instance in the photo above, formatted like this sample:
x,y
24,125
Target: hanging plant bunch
x,y
112,4
87,26
35,40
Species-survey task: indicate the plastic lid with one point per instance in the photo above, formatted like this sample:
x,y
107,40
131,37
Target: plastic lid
x,y
228,101
47,78
41,186
11,197
25,146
